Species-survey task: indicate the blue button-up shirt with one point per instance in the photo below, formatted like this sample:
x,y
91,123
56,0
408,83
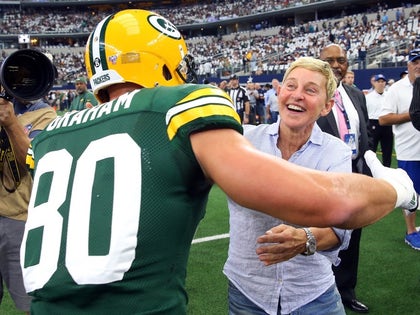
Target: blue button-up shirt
x,y
303,278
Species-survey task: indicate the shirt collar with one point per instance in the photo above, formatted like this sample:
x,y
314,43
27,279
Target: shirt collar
x,y
316,136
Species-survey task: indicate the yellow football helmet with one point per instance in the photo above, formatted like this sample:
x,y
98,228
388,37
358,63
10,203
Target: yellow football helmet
x,y
137,46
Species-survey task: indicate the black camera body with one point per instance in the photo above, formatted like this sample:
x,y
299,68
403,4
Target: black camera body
x,y
27,75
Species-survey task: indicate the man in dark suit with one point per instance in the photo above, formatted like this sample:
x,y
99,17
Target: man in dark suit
x,y
415,104
349,115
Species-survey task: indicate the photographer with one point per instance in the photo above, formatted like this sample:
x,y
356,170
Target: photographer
x,y
20,122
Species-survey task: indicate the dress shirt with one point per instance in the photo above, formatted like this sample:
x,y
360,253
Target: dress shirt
x,y
374,104
267,95
343,128
273,102
352,115
302,278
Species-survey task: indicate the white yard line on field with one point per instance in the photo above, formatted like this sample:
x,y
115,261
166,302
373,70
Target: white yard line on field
x,y
210,238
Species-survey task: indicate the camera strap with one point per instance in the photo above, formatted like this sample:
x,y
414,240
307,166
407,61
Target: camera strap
x,y
8,155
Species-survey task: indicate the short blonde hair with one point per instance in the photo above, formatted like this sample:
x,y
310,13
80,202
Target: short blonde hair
x,y
316,65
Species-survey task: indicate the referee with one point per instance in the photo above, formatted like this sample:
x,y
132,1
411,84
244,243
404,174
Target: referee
x,y
239,98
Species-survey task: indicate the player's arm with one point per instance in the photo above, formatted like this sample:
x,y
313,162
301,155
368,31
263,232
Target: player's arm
x,y
290,192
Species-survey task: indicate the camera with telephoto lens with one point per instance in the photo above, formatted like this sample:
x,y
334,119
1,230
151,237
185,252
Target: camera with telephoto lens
x,y
27,75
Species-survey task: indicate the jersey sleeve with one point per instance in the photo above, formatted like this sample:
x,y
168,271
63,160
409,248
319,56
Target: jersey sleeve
x,y
30,163
204,108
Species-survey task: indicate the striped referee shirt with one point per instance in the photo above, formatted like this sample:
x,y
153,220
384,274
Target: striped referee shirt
x,y
239,97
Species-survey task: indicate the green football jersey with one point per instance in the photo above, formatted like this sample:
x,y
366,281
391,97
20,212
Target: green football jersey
x,y
116,200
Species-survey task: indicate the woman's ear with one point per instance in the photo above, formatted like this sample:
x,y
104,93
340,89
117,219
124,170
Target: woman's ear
x,y
327,107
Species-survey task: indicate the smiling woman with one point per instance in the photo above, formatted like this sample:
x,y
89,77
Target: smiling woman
x,y
304,96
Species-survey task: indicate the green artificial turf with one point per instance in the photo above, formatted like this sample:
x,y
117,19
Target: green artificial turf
x,y
388,278
389,270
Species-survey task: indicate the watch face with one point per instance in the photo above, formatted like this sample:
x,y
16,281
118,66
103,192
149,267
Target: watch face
x,y
311,248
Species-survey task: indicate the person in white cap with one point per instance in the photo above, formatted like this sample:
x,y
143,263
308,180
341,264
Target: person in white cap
x,y
379,134
396,113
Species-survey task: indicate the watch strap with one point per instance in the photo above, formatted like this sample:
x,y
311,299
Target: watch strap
x,y
310,242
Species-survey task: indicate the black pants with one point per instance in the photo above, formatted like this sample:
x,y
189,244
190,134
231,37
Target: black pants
x,y
346,272
241,114
383,135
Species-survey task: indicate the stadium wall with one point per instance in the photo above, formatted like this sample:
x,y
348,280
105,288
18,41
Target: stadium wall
x,y
362,77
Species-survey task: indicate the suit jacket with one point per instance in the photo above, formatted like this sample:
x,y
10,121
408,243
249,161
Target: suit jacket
x,y
329,125
415,105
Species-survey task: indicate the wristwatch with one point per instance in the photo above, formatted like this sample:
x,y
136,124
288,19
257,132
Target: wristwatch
x,y
310,243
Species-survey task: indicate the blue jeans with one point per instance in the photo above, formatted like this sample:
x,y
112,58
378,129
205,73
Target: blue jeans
x,y
239,304
328,303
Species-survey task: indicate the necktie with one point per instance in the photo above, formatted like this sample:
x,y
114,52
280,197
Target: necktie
x,y
342,125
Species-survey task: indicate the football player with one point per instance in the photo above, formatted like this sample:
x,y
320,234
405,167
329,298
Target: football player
x,y
120,188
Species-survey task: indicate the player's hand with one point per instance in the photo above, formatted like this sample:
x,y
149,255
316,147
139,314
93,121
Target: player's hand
x,y
281,243
407,197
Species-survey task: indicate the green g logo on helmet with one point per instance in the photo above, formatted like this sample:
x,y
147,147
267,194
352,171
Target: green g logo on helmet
x,y
164,26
